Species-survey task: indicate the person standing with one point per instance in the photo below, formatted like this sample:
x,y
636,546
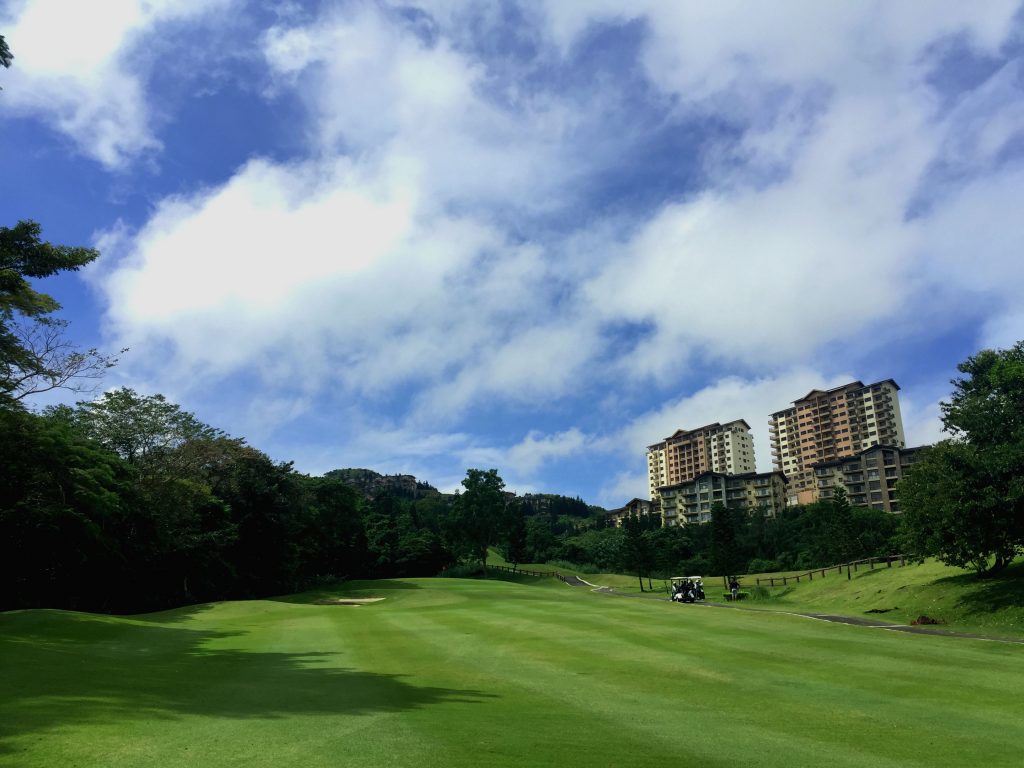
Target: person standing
x,y
734,588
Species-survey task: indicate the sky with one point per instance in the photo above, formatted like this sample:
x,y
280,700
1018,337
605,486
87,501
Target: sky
x,y
533,235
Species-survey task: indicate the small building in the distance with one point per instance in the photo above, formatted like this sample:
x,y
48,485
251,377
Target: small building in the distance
x,y
869,477
634,508
691,502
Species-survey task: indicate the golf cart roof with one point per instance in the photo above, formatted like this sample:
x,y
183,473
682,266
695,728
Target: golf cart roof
x,y
686,578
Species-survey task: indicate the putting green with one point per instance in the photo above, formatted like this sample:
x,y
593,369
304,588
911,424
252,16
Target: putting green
x,y
455,672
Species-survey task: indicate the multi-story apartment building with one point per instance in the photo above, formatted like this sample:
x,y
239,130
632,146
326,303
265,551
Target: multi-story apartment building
x,y
691,502
634,508
868,477
726,448
825,425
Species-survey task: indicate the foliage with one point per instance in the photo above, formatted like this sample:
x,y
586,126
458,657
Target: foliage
x,y
725,555
479,513
6,57
34,354
141,429
963,500
64,509
130,503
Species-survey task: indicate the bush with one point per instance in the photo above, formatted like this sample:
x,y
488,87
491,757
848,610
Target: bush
x,y
762,566
567,565
463,571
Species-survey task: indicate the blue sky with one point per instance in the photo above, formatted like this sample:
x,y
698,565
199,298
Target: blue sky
x,y
538,236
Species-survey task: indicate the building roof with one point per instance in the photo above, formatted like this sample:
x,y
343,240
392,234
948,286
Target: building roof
x,y
856,384
710,473
686,432
627,505
869,449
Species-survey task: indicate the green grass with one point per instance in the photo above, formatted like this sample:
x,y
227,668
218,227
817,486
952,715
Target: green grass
x,y
452,672
959,599
897,594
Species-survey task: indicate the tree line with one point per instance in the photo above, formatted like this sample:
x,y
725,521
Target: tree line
x,y
733,542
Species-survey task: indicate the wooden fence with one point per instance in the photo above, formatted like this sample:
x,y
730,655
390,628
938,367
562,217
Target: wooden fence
x,y
851,567
524,572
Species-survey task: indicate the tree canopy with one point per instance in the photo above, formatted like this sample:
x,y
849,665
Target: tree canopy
x,y
963,500
480,512
35,355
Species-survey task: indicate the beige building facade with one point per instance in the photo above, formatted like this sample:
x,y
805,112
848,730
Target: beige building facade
x,y
826,425
690,502
725,448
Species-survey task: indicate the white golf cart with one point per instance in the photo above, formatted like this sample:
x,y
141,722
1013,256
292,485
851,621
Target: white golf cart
x,y
687,589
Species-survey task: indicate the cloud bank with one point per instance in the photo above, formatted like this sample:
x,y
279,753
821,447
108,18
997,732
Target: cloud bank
x,y
472,229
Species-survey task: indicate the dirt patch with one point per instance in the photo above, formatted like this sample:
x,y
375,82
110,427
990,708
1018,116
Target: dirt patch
x,y
356,601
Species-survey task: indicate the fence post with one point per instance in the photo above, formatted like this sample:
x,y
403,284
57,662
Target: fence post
x,y
848,577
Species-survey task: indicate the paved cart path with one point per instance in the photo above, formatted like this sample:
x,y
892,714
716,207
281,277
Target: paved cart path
x,y
833,618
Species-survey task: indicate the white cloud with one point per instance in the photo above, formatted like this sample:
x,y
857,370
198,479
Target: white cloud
x,y
404,252
623,487
922,419
75,67
535,450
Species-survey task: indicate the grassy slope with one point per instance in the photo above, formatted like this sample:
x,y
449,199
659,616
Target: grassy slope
x,y
456,673
958,598
961,600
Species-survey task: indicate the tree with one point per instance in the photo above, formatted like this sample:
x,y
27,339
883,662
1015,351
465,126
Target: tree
x,y
479,512
142,429
963,500
840,544
515,536
62,516
637,546
725,525
34,355
50,361
6,57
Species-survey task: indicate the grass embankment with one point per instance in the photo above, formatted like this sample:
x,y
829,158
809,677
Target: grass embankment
x,y
899,595
453,673
618,581
957,598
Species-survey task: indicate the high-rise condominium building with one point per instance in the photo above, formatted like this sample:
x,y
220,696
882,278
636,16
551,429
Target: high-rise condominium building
x,y
726,448
825,425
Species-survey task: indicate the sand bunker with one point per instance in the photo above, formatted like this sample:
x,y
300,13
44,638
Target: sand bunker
x,y
357,601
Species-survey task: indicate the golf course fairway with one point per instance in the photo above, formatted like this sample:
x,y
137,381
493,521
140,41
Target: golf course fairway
x,y
452,673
